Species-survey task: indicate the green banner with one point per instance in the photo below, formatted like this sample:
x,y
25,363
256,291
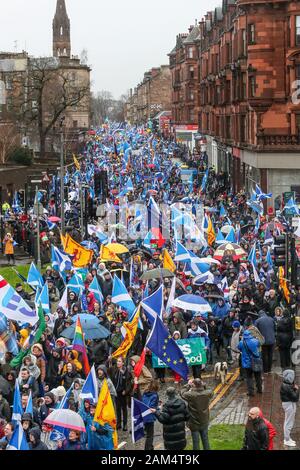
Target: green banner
x,y
193,350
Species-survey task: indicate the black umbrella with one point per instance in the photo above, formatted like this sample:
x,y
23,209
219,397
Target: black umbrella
x,y
245,228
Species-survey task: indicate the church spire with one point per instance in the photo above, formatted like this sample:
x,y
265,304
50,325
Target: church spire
x,y
61,31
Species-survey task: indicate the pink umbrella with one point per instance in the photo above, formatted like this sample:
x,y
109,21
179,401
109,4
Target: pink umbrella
x,y
54,219
66,419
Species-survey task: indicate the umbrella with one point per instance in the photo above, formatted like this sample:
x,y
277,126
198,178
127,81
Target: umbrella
x,y
245,228
143,251
232,248
151,166
156,274
54,219
226,229
91,328
66,419
152,192
273,226
195,303
114,191
117,248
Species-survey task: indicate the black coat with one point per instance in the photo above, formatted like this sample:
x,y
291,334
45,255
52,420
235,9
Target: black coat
x,y
285,332
173,416
288,393
256,435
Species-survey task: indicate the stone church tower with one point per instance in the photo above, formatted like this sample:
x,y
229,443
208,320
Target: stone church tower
x,y
61,31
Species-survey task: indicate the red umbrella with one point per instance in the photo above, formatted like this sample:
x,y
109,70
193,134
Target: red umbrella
x,y
273,226
91,132
114,191
152,191
151,166
54,219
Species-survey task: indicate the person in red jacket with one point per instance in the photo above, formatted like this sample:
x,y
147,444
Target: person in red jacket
x,y
272,430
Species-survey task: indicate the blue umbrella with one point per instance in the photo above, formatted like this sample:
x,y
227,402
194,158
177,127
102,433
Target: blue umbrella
x,y
91,328
195,303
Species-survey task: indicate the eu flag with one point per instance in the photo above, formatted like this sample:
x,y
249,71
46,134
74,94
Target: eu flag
x,y
162,344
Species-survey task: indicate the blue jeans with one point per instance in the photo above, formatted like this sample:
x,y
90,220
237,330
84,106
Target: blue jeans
x,y
226,346
203,433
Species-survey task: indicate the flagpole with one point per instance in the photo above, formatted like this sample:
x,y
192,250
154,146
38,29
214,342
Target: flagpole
x,y
62,176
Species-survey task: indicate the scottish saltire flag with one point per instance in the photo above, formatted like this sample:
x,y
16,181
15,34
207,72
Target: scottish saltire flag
x,y
292,206
256,276
257,225
220,238
269,258
14,307
95,288
51,225
252,255
7,337
54,261
43,299
205,278
256,206
139,414
17,404
204,181
230,236
34,277
225,287
18,439
161,343
90,389
16,204
153,214
134,278
76,284
197,267
223,212
147,240
260,195
171,297
153,305
29,407
63,260
121,297
60,433
268,237
182,254
64,301
94,229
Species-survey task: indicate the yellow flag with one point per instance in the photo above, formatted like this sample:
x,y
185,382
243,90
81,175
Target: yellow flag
x,y
107,255
131,329
82,257
76,162
283,284
105,412
64,239
211,236
168,262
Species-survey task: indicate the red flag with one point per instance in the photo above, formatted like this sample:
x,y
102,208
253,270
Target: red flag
x,y
139,365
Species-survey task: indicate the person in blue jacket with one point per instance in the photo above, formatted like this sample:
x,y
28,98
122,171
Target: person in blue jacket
x,y
250,349
99,437
150,398
220,309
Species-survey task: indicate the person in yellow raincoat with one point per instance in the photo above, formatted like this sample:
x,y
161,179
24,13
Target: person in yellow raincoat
x,y
9,248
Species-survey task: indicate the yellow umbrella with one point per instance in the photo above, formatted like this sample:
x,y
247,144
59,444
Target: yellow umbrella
x,y
117,248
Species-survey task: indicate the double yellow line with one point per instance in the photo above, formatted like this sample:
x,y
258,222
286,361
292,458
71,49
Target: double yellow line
x,y
221,389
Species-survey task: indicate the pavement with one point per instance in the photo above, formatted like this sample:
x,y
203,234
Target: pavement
x,y
21,258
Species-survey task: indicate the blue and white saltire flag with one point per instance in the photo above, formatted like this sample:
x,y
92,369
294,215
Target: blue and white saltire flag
x,y
182,254
90,389
17,404
18,439
133,277
14,307
205,278
225,287
139,414
256,206
93,229
147,240
54,261
252,255
76,284
204,181
153,305
16,204
121,297
230,236
260,195
196,265
223,212
51,225
256,276
171,297
292,206
257,225
268,237
95,288
29,407
60,433
220,238
269,258
64,261
64,301
161,343
129,185
43,299
34,278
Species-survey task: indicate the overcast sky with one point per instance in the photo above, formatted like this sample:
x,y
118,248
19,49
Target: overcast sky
x,y
124,38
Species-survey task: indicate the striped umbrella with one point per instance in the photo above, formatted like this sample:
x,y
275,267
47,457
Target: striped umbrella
x,y
195,303
66,419
230,248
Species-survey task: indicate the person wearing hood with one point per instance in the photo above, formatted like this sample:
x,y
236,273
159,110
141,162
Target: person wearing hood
x,y
142,382
68,377
177,324
256,432
289,394
221,309
271,429
266,326
284,337
99,437
35,440
29,363
38,351
173,417
73,442
249,347
54,366
27,424
98,351
101,375
72,357
48,406
196,332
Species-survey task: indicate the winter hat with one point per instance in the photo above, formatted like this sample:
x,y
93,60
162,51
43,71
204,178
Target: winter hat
x,y
236,324
27,417
103,368
171,392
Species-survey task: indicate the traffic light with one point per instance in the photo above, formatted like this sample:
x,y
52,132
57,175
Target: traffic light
x,y
281,250
155,125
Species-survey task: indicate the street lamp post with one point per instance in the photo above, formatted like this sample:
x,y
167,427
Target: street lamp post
x,y
38,207
62,177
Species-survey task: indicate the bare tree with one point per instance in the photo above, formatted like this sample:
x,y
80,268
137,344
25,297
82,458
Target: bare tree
x,y
46,94
9,139
101,107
